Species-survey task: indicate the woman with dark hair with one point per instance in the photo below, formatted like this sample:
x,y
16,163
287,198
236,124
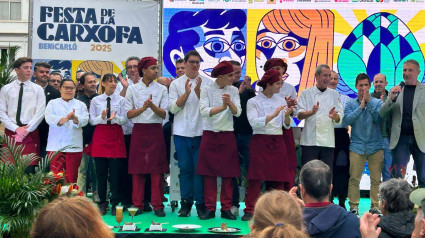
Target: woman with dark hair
x,y
66,117
107,113
398,220
218,153
75,217
267,151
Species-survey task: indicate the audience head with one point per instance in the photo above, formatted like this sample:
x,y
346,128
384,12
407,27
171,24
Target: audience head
x,y
277,214
394,196
180,68
55,79
418,198
75,217
316,181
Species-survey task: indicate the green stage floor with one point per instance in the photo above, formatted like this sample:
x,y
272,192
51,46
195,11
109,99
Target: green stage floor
x,y
145,219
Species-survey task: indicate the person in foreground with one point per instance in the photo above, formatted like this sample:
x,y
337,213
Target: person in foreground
x,y
398,220
75,217
277,214
322,218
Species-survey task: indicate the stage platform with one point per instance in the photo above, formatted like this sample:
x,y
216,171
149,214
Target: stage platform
x,y
171,218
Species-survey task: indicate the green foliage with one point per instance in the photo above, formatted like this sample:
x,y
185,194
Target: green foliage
x,y
22,194
6,65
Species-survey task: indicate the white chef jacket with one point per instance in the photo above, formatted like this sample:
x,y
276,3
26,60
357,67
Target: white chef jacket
x,y
259,107
211,96
32,109
69,134
99,103
187,119
138,93
319,128
127,128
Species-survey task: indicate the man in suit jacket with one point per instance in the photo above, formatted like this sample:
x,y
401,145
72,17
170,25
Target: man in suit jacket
x,y
406,107
41,77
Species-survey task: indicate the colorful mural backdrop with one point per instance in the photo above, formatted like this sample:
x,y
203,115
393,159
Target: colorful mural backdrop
x,y
350,37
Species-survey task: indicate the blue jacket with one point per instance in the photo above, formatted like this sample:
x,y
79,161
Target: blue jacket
x,y
365,126
331,221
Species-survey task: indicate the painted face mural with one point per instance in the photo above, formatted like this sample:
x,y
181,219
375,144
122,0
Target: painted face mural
x,y
216,34
302,38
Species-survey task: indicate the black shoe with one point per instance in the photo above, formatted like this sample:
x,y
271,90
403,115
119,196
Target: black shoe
x,y
185,209
207,215
148,207
113,211
160,212
200,209
138,212
247,216
228,215
164,199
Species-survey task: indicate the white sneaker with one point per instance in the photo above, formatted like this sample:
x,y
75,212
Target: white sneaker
x,y
234,210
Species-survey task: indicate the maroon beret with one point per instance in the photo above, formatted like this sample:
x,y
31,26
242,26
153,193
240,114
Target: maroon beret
x,y
270,77
145,62
273,62
222,68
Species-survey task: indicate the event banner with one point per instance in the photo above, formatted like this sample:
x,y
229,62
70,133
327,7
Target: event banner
x,y
351,36
93,36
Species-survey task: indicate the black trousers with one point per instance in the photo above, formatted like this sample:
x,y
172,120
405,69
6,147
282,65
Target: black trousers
x,y
341,164
325,154
108,169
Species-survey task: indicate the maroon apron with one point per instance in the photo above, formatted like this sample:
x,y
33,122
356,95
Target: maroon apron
x,y
291,151
218,155
148,154
31,143
267,158
108,142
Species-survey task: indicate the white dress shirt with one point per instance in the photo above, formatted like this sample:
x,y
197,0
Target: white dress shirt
x,y
319,128
138,93
99,103
344,100
68,134
211,96
259,107
32,109
187,119
127,128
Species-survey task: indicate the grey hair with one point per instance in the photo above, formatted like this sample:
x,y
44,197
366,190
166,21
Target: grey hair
x,y
132,58
320,67
412,61
396,193
316,177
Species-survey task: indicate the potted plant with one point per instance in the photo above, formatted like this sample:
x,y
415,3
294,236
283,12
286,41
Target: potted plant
x,y
22,194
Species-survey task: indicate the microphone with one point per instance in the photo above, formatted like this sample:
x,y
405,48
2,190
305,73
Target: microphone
x,y
397,93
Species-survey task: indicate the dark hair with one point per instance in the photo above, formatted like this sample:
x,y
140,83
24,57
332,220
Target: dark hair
x,y
396,194
105,78
179,61
83,77
132,58
55,73
362,76
234,62
66,80
191,53
41,64
316,177
20,61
